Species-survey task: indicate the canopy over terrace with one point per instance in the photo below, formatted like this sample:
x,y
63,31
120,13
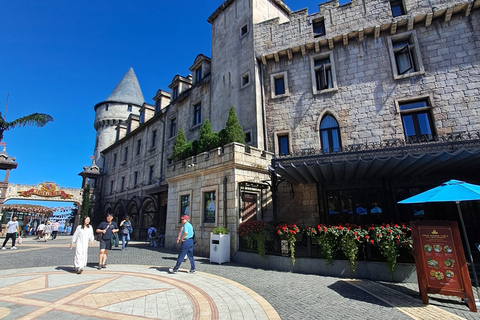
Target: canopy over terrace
x,y
379,161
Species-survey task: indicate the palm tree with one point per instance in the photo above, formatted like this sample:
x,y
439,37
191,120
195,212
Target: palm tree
x,y
37,119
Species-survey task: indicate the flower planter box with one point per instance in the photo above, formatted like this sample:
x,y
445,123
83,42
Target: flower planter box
x,y
219,248
372,270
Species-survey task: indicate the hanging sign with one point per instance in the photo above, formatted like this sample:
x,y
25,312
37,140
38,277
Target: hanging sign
x,y
440,260
46,190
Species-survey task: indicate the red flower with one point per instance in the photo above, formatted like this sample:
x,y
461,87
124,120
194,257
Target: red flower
x,y
366,237
371,241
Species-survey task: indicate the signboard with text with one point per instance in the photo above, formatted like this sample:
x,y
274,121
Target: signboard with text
x,y
440,260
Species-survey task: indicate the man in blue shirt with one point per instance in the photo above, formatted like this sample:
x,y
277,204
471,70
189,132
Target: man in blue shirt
x,y
187,246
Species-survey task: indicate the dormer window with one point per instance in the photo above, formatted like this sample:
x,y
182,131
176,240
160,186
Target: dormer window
x,y
129,127
198,74
175,93
129,108
319,27
142,117
158,106
106,107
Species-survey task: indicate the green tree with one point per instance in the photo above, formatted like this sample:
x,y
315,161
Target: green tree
x,y
85,201
37,119
233,130
179,145
208,139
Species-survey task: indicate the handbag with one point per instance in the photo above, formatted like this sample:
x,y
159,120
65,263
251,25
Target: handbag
x,y
19,240
98,236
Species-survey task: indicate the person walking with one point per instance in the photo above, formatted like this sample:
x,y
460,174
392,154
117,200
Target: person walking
x,y
107,228
40,229
126,227
82,236
47,231
55,228
12,228
187,246
152,236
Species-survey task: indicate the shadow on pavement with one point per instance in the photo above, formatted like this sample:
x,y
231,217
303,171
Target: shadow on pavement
x,y
349,291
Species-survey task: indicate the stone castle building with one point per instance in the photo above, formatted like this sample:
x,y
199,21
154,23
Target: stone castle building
x,y
346,111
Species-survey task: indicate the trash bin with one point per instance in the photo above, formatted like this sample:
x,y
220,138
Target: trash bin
x,y
219,248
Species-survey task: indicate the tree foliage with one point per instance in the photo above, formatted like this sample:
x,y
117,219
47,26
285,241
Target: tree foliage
x,y
209,139
37,119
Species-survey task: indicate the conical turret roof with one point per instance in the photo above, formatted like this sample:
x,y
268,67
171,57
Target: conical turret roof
x,y
128,90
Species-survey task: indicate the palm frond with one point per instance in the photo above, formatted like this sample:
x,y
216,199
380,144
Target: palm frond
x,y
36,119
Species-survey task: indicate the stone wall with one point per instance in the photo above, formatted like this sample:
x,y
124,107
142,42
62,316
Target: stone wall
x,y
204,173
365,100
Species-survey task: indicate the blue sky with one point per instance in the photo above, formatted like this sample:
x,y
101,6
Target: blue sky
x,y
63,57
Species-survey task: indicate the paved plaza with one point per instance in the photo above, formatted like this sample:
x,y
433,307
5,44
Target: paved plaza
x,y
37,282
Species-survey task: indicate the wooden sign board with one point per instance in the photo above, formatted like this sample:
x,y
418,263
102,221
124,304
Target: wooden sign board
x,y
440,260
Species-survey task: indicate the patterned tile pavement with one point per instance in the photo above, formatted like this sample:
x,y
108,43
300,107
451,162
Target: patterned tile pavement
x,y
37,282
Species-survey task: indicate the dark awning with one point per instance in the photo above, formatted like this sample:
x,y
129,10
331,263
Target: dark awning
x,y
376,164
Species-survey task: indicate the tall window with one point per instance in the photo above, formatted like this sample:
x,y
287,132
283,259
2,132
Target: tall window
x,y
135,179
158,106
142,117
150,175
184,205
122,184
417,121
197,114
114,160
330,135
111,187
125,154
139,146
175,92
129,127
398,8
405,55
279,84
323,73
198,74
283,146
153,141
173,127
209,206
319,28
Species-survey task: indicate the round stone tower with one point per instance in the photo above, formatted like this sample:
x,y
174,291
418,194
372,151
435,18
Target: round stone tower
x,y
127,98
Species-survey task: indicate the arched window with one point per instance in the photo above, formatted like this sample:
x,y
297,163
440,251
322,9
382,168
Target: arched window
x,y
330,135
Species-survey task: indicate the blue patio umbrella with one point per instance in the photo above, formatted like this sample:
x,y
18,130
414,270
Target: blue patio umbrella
x,y
451,191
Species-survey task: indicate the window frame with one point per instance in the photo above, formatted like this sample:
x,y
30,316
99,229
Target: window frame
x,y
278,148
316,22
173,128
275,76
151,174
427,109
139,146
415,57
401,5
129,108
197,114
314,69
198,74
244,30
153,139
243,83
180,212
125,154
122,184
208,189
329,131
135,179
175,92
112,185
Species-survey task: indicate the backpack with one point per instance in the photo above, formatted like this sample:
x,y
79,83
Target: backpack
x,y
153,234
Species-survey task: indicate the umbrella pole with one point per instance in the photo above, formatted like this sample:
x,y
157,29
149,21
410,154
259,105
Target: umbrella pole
x,y
468,247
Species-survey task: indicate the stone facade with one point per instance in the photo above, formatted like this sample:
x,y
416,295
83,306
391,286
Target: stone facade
x,y
356,65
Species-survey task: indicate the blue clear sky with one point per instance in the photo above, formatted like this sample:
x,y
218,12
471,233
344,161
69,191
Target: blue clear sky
x,y
63,57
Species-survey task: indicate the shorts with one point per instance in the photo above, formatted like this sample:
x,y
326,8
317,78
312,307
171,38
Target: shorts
x,y
105,244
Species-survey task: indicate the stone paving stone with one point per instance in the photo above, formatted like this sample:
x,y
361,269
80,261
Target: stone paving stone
x,y
293,296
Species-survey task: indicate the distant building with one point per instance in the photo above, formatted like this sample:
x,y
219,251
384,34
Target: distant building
x,y
346,111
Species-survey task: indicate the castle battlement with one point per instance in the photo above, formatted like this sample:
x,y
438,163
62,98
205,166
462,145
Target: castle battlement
x,y
232,154
348,22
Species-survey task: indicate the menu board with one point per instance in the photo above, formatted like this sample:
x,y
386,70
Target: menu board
x,y
440,256
440,260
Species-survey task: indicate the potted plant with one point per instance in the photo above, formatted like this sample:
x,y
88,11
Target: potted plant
x,y
255,233
219,245
288,232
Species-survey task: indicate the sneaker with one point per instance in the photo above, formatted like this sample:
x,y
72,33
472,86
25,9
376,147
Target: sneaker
x,y
99,267
104,266
80,271
171,270
193,271
3,248
14,248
